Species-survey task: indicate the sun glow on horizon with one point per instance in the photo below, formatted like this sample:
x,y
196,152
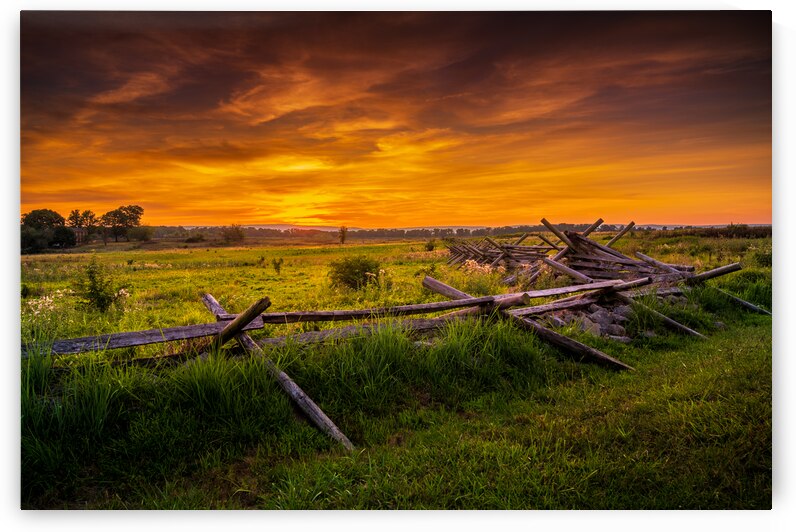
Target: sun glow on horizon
x,y
421,119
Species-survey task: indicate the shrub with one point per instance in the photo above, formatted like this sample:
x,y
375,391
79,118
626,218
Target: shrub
x,y
430,245
354,272
96,289
194,239
277,264
233,233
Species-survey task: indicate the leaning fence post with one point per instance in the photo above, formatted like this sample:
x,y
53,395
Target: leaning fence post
x,y
307,405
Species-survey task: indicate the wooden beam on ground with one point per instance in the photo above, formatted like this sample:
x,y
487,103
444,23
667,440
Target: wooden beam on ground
x,y
662,265
620,234
745,304
568,271
677,326
294,391
567,344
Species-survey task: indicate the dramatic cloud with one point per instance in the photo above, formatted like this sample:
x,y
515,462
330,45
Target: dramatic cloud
x,y
385,119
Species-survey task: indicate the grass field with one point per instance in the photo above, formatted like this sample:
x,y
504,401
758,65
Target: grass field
x,y
486,416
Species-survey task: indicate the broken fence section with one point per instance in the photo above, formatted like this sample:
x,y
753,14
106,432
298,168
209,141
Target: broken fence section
x,y
602,278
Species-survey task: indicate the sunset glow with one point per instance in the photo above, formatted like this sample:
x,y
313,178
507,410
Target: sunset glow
x,y
399,120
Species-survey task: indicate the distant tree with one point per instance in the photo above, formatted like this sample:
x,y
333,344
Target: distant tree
x,y
90,221
38,230
342,233
233,233
63,237
74,219
33,239
119,221
142,233
42,219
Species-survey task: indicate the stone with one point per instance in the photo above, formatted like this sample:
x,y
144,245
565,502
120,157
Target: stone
x,y
649,334
621,339
618,317
602,316
567,317
595,308
623,310
586,325
719,325
615,330
555,321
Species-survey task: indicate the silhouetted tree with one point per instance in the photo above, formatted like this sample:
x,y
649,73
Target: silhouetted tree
x,y
119,221
342,233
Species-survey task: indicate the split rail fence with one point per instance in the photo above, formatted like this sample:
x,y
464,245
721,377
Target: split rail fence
x,y
602,277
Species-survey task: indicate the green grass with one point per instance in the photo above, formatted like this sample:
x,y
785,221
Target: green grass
x,y
484,416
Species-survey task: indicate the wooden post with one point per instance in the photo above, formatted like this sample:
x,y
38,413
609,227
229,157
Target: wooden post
x,y
620,234
585,233
307,405
560,234
242,320
593,227
567,344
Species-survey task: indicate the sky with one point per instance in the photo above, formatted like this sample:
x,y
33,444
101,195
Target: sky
x,y
399,119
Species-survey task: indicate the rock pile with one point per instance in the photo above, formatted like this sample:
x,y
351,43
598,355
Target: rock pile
x,y
606,319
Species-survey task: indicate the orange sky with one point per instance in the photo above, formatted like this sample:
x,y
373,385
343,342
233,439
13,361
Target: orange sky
x,y
397,120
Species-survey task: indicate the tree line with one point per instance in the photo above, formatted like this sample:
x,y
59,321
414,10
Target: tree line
x,y
45,228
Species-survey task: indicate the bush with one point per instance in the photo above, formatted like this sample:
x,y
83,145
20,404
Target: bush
x,y
277,264
194,239
96,289
233,233
354,272
430,245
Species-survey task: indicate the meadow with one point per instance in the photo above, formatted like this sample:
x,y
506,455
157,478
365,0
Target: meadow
x,y
484,416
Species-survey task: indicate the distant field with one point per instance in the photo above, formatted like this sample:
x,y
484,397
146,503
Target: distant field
x,y
485,417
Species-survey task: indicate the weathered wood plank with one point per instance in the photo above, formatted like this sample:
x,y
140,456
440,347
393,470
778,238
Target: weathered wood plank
x,y
575,302
567,271
370,313
293,390
152,336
